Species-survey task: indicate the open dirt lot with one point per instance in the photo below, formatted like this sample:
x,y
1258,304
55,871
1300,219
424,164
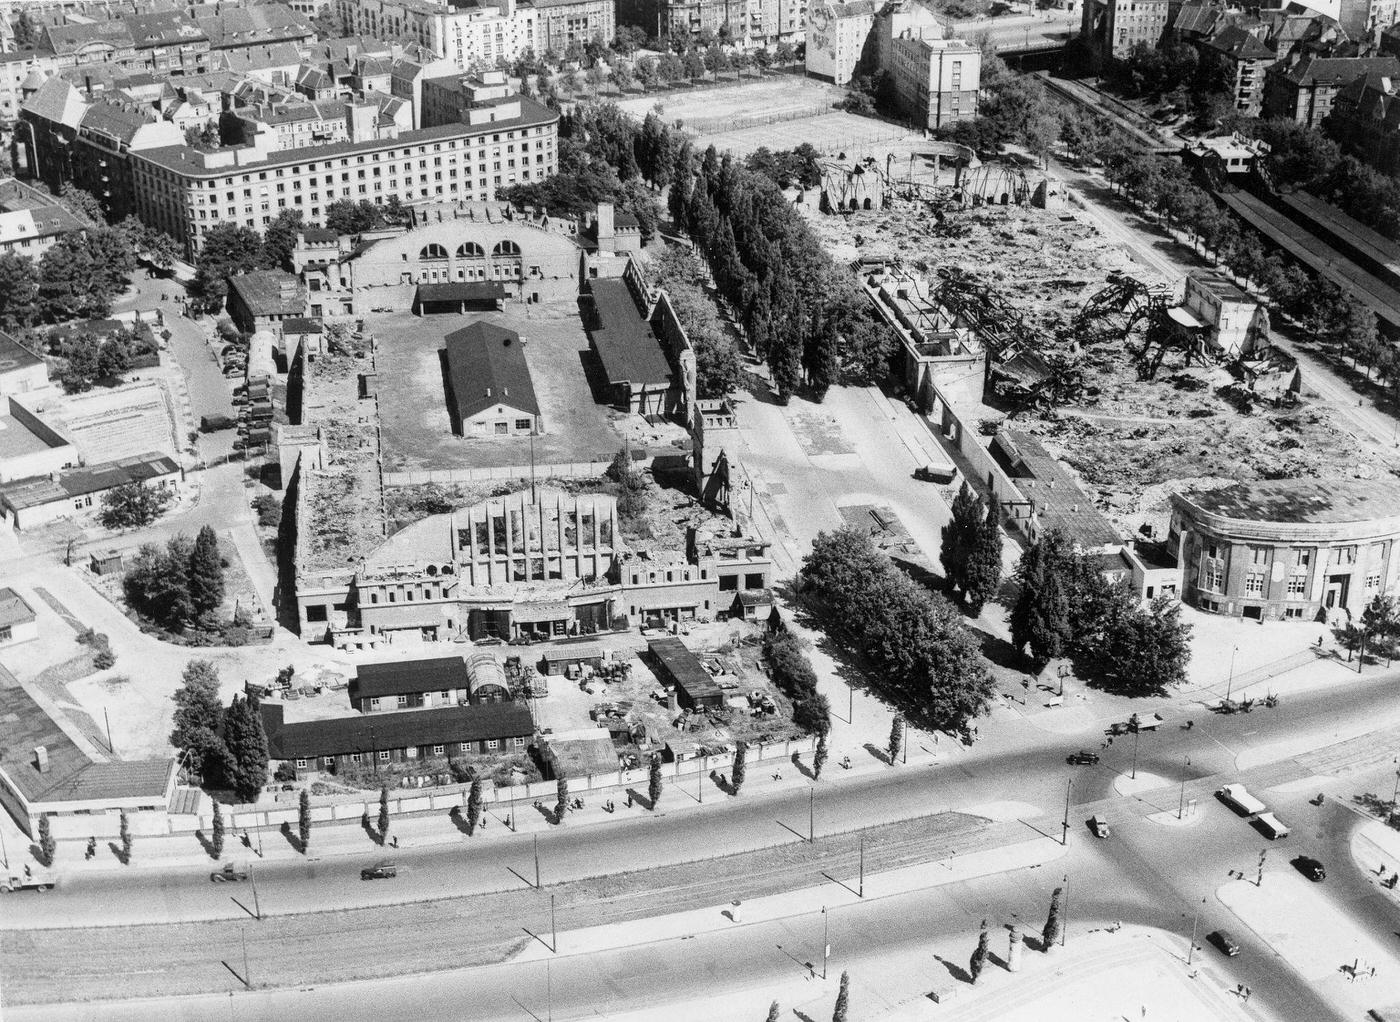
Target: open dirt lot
x,y
416,429
779,112
1133,441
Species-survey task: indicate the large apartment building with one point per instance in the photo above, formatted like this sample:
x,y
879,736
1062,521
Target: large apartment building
x,y
937,79
1113,27
750,21
465,154
473,35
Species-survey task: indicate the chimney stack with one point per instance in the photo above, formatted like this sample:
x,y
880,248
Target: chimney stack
x,y
41,758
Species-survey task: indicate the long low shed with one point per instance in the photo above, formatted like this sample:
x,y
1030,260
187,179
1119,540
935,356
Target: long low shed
x,y
678,666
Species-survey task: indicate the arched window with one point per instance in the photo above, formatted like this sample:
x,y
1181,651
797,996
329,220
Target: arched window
x,y
470,250
506,248
433,251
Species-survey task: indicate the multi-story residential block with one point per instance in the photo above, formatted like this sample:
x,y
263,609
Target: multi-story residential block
x,y
232,27
1366,119
169,42
1304,90
464,153
1245,60
748,21
561,22
95,42
65,140
936,79
1113,27
838,37
1365,20
475,36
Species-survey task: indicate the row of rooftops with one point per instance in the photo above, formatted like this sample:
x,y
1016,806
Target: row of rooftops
x,y
72,483
231,26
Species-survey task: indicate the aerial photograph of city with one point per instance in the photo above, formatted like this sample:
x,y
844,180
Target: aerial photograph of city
x,y
700,510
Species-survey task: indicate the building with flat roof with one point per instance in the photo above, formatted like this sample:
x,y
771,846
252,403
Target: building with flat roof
x,y
21,370
414,737
1229,321
44,772
462,154
1053,498
29,447
28,503
838,37
1289,548
490,392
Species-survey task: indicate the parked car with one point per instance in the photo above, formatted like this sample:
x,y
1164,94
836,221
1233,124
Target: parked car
x,y
1310,868
230,874
380,871
1082,758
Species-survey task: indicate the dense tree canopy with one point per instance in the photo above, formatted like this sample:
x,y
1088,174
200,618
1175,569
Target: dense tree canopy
x,y
229,249
923,655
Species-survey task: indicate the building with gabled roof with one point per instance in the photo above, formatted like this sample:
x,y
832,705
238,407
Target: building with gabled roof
x,y
27,503
490,389
1303,91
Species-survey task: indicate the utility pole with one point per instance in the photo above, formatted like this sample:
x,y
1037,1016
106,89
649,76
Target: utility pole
x,y
1195,920
811,816
537,862
108,721
862,864
1064,836
247,979
826,939
1137,730
257,908
1229,685
1181,803
1396,793
553,931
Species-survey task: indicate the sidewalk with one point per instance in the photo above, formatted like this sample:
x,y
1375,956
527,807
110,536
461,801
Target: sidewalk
x,y
845,891
437,828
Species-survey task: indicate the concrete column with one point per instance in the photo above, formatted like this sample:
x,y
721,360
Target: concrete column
x,y
1013,951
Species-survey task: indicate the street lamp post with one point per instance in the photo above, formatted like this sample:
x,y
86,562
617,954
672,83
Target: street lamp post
x,y
537,862
1195,920
811,816
1230,684
257,908
862,864
1064,929
1181,803
1137,731
826,939
1064,836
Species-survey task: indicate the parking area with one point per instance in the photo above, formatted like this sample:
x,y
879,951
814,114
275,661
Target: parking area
x,y
416,428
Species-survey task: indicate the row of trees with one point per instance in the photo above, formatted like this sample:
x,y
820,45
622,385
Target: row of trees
x,y
718,370
1164,188
803,313
224,746
971,549
792,672
1067,607
598,162
915,640
179,585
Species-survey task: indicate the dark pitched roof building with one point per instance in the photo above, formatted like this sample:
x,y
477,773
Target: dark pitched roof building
x,y
677,666
623,339
486,368
473,725
408,677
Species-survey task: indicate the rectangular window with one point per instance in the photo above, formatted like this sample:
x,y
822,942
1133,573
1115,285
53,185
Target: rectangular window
x,y
465,746
520,743
354,757
403,700
1302,558
301,764
1259,555
1254,584
437,750
1297,586
492,743
1373,582
522,423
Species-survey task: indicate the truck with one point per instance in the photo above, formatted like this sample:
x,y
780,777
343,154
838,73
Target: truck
x,y
1238,798
1272,826
26,881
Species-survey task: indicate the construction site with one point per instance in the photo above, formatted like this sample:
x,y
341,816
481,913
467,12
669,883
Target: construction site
x,y
1015,313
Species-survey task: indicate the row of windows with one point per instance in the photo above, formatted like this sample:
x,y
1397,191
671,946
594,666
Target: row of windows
x,y
412,752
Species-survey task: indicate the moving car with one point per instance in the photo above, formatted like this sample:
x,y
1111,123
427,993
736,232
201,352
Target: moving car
x,y
11,882
380,871
1226,942
230,874
1310,868
1099,826
1082,758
